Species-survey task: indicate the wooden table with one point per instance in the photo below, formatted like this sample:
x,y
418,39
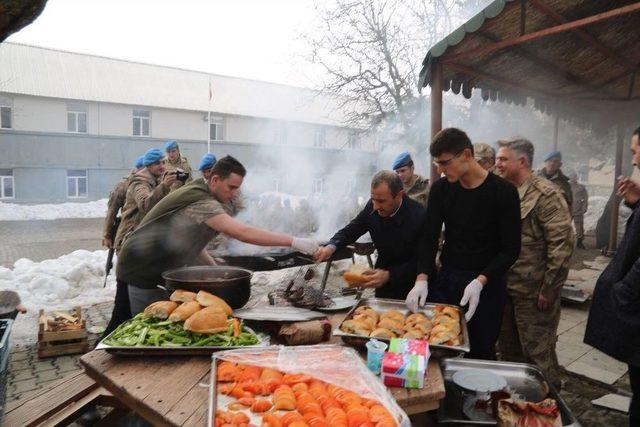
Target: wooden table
x,y
172,391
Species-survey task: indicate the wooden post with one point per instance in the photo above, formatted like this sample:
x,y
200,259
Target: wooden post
x,y
436,110
613,224
556,122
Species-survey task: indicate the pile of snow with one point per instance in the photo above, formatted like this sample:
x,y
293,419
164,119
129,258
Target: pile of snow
x,y
597,205
75,279
16,212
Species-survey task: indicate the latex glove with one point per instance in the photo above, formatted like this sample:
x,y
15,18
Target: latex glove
x,y
306,246
417,297
324,253
472,297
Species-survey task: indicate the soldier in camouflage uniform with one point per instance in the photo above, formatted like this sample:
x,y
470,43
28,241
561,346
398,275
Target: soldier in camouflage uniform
x,y
175,161
415,186
580,206
534,282
115,203
551,171
146,188
485,155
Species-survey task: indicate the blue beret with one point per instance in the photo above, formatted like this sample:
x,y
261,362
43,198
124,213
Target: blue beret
x,y
170,145
208,160
553,154
140,162
152,156
403,159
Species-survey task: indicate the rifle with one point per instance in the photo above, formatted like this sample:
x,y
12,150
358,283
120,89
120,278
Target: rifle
x,y
109,264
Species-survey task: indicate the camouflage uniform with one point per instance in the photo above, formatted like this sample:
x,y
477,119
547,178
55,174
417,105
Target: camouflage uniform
x,y
529,335
562,181
143,193
580,205
116,202
180,163
418,189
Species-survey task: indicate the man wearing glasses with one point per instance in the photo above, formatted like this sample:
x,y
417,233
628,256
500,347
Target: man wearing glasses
x,y
481,216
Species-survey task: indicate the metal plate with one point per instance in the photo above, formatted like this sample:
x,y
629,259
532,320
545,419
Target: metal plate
x,y
175,351
523,379
339,304
479,380
382,304
278,314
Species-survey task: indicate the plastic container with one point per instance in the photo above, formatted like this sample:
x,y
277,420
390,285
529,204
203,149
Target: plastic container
x,y
5,349
375,353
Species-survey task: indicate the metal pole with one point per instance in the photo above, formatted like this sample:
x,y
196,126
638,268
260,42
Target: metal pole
x,y
209,120
613,225
436,109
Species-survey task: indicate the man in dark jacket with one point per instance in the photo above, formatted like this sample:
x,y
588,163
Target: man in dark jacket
x,y
614,320
395,223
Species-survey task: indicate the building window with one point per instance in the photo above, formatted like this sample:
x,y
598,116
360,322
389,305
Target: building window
x,y
217,131
353,142
77,118
76,183
7,184
320,138
318,186
6,110
141,122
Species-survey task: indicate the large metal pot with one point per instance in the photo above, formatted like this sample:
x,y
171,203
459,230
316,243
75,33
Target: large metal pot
x,y
232,284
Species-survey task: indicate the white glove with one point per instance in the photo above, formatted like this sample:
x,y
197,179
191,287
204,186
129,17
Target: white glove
x,y
306,246
472,296
417,296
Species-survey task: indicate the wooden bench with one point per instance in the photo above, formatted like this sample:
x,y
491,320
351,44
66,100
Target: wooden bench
x,y
62,402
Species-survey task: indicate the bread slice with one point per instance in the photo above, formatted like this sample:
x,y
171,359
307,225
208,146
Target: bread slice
x,y
184,311
355,274
207,300
180,295
207,321
160,309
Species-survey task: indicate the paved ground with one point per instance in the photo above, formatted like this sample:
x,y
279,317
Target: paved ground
x,y
50,239
40,240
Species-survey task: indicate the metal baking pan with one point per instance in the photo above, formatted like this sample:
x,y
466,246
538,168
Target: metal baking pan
x,y
176,351
382,304
524,379
277,314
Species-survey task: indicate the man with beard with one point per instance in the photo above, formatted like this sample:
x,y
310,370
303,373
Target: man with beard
x,y
415,186
534,282
395,223
481,216
614,319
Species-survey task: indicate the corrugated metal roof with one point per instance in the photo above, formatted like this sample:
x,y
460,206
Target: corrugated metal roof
x,y
37,71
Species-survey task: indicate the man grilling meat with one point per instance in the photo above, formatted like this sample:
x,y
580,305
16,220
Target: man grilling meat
x,y
175,232
395,223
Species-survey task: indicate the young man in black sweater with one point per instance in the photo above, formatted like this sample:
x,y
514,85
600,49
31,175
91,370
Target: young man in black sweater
x,y
481,216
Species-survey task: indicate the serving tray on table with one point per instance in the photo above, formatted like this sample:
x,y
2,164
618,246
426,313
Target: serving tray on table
x,y
177,351
526,380
382,304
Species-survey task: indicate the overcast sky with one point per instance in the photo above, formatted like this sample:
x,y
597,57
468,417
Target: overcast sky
x,y
256,39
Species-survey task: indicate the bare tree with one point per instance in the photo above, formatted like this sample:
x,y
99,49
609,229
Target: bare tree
x,y
371,51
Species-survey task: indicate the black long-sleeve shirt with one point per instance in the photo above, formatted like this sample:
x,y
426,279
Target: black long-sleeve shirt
x,y
396,238
482,227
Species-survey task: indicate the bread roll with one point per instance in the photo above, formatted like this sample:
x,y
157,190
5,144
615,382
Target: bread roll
x,y
393,325
184,311
356,327
382,333
207,300
207,321
180,295
451,312
415,334
355,274
160,309
393,314
367,320
415,317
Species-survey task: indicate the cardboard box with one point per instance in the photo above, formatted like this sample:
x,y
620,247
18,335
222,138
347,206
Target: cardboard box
x,y
409,346
403,370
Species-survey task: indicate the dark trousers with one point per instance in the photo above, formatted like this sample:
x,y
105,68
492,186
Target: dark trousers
x,y
121,308
484,326
634,408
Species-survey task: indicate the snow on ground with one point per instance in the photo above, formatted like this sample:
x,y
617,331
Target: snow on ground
x,y
75,279
595,210
17,212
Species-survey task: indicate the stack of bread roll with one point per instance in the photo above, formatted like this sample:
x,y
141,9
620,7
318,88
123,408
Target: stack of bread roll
x,y
442,328
201,312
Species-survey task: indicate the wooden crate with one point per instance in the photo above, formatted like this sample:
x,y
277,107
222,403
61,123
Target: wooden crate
x,y
60,343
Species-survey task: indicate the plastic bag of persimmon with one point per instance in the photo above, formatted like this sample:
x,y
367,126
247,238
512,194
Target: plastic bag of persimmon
x,y
315,386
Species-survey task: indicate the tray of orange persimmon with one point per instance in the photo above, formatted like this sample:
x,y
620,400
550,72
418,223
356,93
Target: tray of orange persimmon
x,y
314,386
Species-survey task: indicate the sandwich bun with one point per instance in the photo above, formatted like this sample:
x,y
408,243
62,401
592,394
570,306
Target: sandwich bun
x,y
184,311
208,300
180,295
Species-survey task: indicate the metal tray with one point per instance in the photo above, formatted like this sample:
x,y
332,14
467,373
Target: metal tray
x,y
176,351
277,314
382,304
526,380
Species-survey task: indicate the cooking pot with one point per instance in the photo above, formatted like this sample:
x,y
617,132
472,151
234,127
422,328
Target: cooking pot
x,y
232,284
